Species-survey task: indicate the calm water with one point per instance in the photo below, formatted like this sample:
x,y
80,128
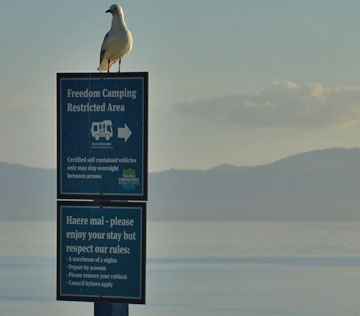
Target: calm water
x,y
204,268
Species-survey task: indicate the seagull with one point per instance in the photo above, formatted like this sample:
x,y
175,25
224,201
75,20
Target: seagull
x,y
117,42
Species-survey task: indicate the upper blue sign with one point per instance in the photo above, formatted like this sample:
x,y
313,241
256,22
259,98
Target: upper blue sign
x,y
102,136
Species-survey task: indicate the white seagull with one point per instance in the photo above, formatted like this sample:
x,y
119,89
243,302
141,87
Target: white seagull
x,y
117,42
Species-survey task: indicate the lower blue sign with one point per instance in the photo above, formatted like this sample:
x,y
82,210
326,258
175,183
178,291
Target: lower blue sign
x,y
101,252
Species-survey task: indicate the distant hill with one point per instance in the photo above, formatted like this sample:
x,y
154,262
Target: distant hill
x,y
27,193
318,185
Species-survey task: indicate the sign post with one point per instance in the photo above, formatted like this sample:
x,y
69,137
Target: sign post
x,y
102,158
102,309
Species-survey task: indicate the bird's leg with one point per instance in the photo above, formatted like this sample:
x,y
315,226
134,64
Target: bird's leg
x,y
108,65
119,63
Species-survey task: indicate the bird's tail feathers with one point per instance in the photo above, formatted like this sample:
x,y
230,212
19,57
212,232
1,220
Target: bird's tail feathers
x,y
102,68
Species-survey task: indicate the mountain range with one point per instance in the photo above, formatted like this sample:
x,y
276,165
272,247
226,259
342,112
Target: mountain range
x,y
317,185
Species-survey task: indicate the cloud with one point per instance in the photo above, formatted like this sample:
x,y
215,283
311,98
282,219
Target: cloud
x,y
281,104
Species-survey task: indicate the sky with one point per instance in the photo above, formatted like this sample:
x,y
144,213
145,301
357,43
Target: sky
x,y
244,82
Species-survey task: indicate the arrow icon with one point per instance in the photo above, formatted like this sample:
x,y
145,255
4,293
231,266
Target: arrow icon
x,y
124,132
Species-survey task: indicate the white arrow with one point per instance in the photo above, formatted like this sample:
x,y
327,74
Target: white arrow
x,y
124,132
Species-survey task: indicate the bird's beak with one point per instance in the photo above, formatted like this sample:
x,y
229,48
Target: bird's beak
x,y
108,11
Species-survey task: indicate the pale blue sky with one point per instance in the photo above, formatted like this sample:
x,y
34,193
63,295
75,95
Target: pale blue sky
x,y
243,82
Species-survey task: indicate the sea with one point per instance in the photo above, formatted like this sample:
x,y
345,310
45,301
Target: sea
x,y
203,268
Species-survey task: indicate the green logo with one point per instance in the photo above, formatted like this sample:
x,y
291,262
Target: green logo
x,y
128,171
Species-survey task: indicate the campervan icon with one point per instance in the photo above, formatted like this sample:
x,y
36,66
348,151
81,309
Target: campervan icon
x,y
102,129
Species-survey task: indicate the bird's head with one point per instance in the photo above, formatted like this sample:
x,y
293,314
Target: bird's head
x,y
115,9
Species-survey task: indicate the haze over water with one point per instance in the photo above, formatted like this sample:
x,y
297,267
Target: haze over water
x,y
204,268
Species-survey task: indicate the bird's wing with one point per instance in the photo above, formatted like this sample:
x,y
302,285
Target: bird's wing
x,y
103,47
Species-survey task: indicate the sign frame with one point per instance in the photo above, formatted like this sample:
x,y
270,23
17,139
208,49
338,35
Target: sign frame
x,y
100,205
104,195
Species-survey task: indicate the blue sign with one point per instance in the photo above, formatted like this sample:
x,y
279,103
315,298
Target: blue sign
x,y
101,252
102,124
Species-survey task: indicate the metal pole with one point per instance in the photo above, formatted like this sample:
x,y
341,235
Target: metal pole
x,y
103,309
